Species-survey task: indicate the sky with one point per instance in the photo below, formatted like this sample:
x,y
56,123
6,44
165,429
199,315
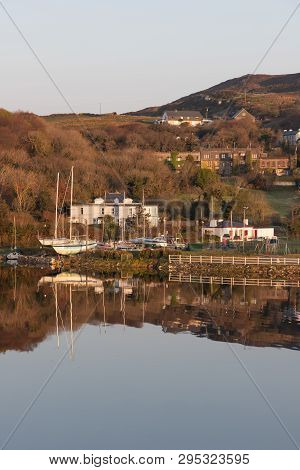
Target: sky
x,y
130,54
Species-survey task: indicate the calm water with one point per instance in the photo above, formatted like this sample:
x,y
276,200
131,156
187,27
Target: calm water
x,y
133,364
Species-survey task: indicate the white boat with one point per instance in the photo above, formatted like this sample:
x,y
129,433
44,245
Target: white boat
x,y
13,256
72,245
157,242
53,241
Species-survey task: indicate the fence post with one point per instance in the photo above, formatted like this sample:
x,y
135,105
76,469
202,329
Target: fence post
x,y
190,259
233,260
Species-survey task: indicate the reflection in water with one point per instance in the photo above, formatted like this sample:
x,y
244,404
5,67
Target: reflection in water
x,y
132,380
34,306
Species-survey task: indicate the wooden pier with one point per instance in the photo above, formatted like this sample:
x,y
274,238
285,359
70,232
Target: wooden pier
x,y
234,260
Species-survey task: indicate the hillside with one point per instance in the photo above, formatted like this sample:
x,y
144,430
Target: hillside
x,y
275,99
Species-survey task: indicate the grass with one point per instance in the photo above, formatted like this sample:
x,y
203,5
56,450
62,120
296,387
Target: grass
x,y
283,199
93,121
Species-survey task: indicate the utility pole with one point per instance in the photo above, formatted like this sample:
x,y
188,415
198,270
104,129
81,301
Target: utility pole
x,y
100,109
144,220
103,227
165,225
231,228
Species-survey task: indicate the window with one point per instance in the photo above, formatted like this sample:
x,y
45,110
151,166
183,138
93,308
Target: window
x,y
112,210
102,211
81,211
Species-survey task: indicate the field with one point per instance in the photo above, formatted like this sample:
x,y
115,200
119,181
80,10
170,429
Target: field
x,y
94,121
283,200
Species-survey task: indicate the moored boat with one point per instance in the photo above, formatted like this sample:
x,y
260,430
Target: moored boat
x,y
72,245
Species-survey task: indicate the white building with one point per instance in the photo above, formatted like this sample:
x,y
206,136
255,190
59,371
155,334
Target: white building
x,y
117,205
237,230
176,118
291,137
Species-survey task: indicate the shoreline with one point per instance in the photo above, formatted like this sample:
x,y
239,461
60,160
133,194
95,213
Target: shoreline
x,y
153,263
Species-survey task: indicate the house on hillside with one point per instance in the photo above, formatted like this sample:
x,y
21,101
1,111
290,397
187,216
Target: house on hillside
x,y
222,160
291,137
281,165
242,114
176,118
117,205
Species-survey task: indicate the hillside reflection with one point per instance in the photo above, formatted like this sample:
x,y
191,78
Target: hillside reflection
x,y
34,305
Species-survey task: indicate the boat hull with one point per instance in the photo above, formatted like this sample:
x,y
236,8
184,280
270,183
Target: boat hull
x,y
74,248
53,241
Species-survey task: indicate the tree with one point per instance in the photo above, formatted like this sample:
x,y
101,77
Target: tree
x,y
206,179
110,228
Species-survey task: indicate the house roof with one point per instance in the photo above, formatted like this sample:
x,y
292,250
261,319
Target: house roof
x,y
241,111
291,132
184,115
111,197
227,224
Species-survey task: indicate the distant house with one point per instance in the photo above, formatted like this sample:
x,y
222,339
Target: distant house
x,y
176,118
279,165
237,230
117,205
222,160
291,137
243,114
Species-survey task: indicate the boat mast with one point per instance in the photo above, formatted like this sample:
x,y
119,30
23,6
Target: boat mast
x,y
56,207
144,220
15,234
71,200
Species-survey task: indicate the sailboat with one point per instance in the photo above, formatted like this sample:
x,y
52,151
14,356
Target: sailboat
x,y
73,245
14,255
55,239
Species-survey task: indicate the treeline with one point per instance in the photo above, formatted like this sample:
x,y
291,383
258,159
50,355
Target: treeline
x,y
114,158
163,138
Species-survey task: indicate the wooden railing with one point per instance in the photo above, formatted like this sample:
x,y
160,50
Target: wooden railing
x,y
234,260
231,281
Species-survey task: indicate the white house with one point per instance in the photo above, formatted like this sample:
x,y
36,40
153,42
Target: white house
x,y
116,205
237,230
176,118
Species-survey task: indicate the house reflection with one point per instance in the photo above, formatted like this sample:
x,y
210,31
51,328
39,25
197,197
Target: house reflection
x,y
34,306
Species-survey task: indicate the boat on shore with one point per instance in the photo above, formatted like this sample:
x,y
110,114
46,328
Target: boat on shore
x,y
73,245
157,242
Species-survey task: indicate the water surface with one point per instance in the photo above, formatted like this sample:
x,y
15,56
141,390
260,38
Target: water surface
x,y
136,364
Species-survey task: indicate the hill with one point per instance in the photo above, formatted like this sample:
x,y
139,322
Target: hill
x,y
274,99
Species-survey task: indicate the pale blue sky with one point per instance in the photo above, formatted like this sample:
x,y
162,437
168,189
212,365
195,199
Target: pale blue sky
x,y
132,54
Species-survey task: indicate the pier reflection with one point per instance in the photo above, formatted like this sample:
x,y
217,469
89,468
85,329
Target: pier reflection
x,y
34,305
